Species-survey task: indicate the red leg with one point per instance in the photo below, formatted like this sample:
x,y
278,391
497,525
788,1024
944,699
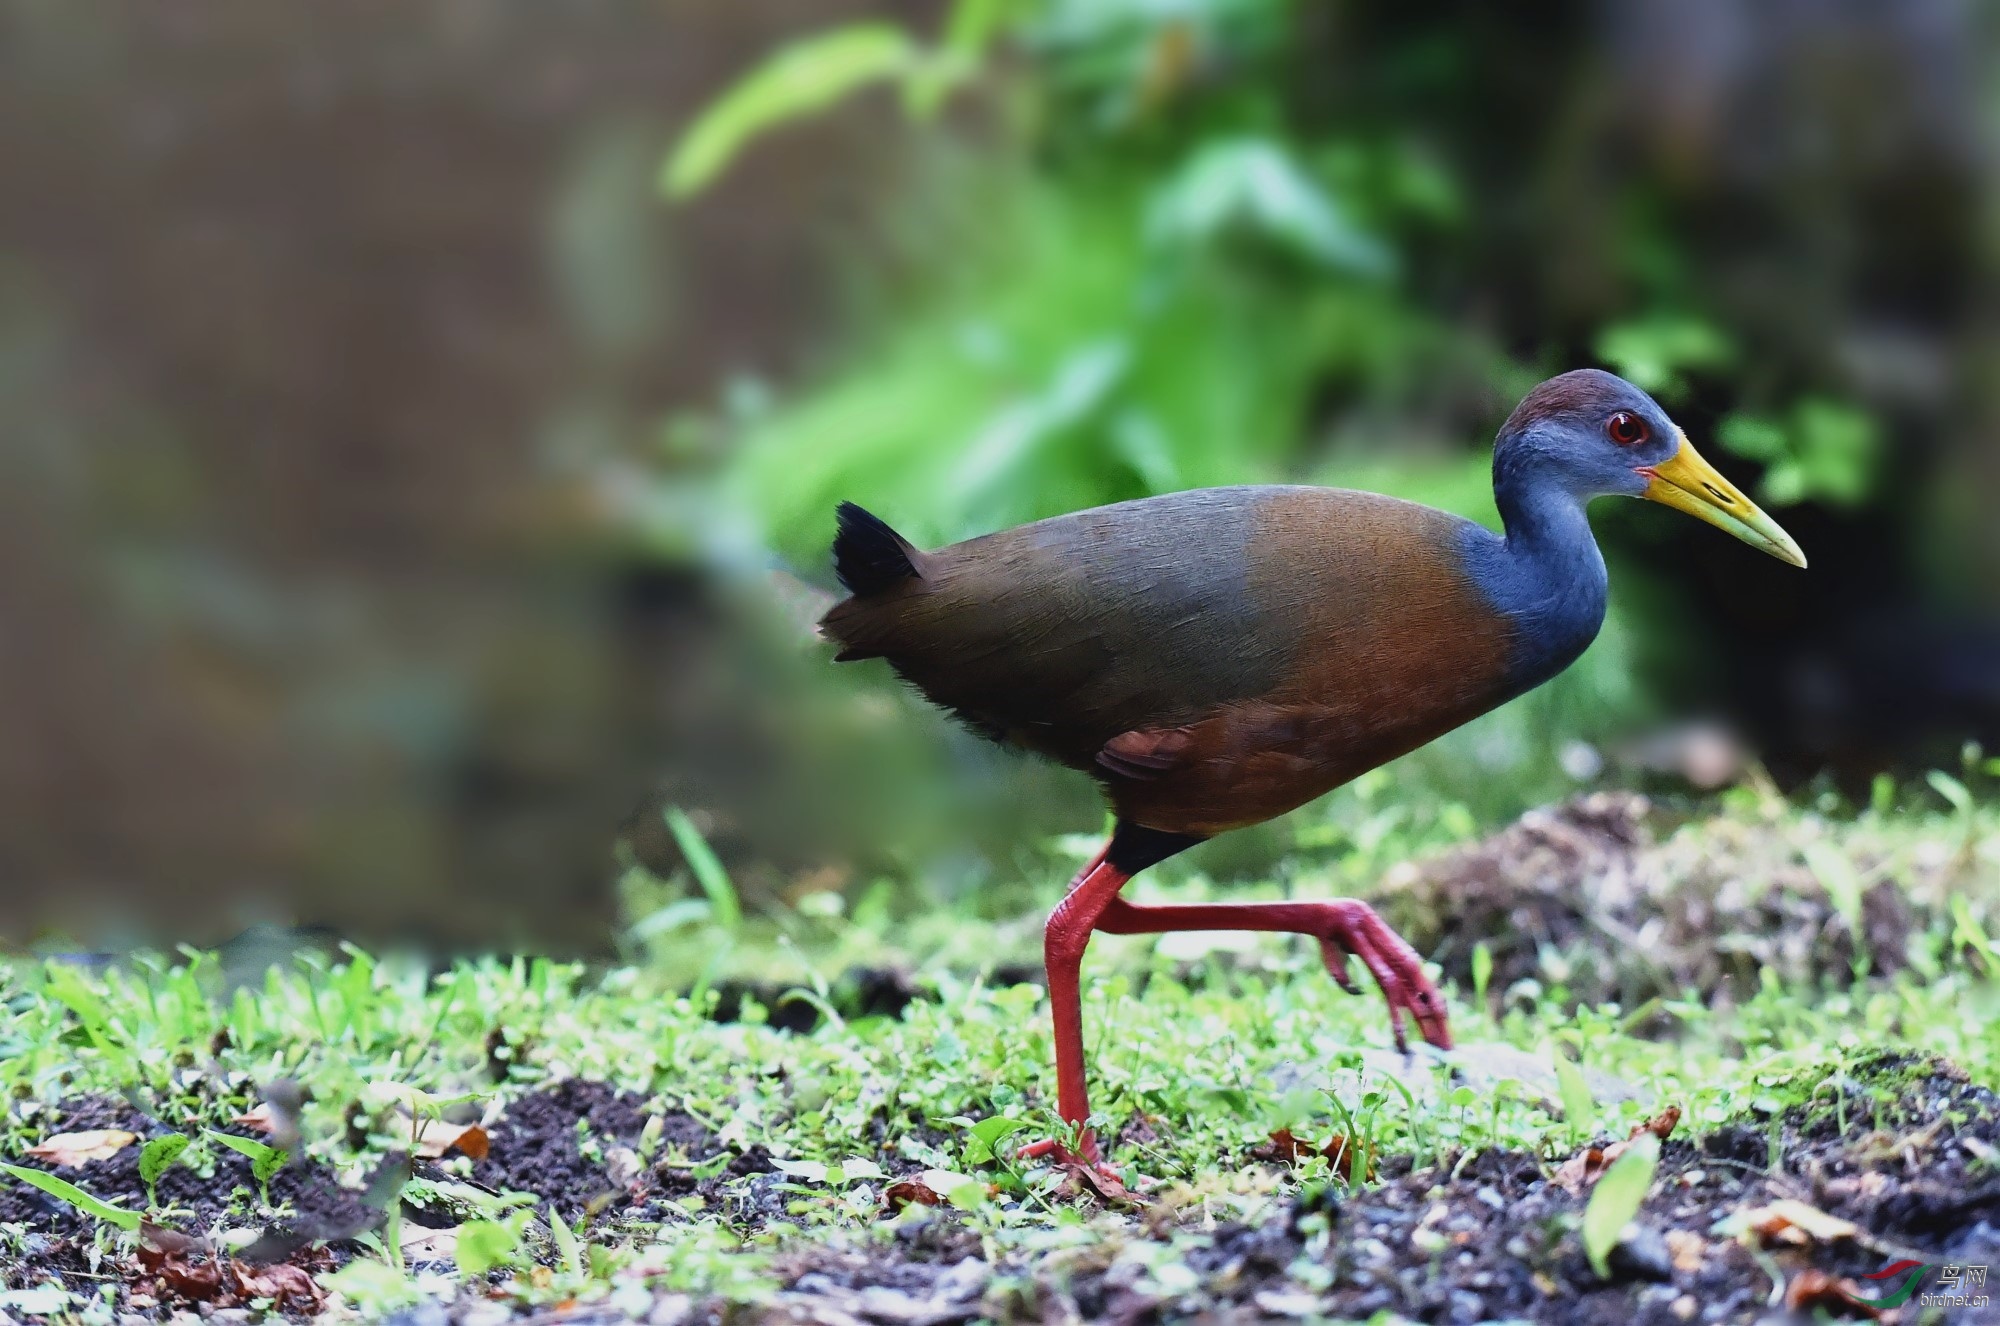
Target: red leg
x,y
1063,942
1342,926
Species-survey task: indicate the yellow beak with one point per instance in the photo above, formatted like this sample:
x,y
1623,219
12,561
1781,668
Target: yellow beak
x,y
1689,483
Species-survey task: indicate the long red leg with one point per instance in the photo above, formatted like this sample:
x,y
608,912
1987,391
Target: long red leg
x,y
1063,942
1343,926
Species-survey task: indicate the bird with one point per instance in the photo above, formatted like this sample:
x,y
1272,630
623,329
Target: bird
x,y
1216,657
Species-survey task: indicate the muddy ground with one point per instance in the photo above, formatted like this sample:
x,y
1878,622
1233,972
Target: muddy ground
x,y
1899,1157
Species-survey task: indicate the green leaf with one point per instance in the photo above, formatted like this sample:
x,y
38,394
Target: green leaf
x,y
69,988
1654,351
1579,1107
484,1245
1482,970
812,1171
1753,437
93,1207
798,80
157,1155
568,1246
265,1167
974,23
987,1134
1257,188
707,868
1842,882
373,1286
265,1161
1951,790
676,915
1616,1199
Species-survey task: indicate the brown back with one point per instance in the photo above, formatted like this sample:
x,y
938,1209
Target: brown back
x,y
1285,639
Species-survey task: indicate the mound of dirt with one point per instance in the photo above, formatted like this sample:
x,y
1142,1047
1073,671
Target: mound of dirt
x,y
1598,896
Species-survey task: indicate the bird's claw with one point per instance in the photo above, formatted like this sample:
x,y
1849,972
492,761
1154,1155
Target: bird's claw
x,y
1357,931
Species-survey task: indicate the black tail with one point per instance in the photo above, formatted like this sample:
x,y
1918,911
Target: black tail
x,y
868,556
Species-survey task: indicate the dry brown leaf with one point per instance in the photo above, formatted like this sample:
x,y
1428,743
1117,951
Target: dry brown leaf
x,y
436,1137
82,1148
1588,1165
289,1288
174,1274
1661,1125
1286,1148
1789,1221
899,1195
1813,1288
1687,1248
159,1239
1580,1170
262,1117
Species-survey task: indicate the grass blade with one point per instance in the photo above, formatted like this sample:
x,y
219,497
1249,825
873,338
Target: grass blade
x,y
707,868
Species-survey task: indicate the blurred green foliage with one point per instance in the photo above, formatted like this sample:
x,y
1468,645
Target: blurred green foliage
x,y
1147,245
1134,274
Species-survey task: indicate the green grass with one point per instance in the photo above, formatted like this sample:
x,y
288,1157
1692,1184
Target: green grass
x,y
1214,1049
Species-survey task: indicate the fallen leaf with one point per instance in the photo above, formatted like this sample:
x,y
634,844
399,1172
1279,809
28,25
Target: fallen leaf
x,y
82,1148
173,1272
1588,1165
1687,1248
1106,1188
289,1288
160,1239
899,1195
1286,1148
1813,1288
1580,1170
436,1137
1789,1221
623,1166
263,1118
1661,1125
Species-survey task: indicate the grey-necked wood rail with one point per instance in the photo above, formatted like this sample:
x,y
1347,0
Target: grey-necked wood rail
x,y
1217,657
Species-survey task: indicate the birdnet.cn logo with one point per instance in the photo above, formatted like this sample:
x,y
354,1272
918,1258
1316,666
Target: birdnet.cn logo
x,y
1957,1287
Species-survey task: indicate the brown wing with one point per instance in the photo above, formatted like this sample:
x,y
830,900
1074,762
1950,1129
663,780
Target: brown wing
x,y
1215,657
1059,635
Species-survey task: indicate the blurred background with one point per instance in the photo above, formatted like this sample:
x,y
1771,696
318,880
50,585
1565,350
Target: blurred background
x,y
422,424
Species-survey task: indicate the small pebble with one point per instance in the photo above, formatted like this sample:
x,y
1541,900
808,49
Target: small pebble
x,y
1287,1303
1467,1307
1641,1254
962,1281
670,1310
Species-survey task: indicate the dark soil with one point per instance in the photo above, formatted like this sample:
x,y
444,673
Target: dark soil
x,y
862,993
1895,1148
1898,1146
1634,908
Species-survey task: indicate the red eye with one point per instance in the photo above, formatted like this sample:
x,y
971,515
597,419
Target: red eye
x,y
1626,429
